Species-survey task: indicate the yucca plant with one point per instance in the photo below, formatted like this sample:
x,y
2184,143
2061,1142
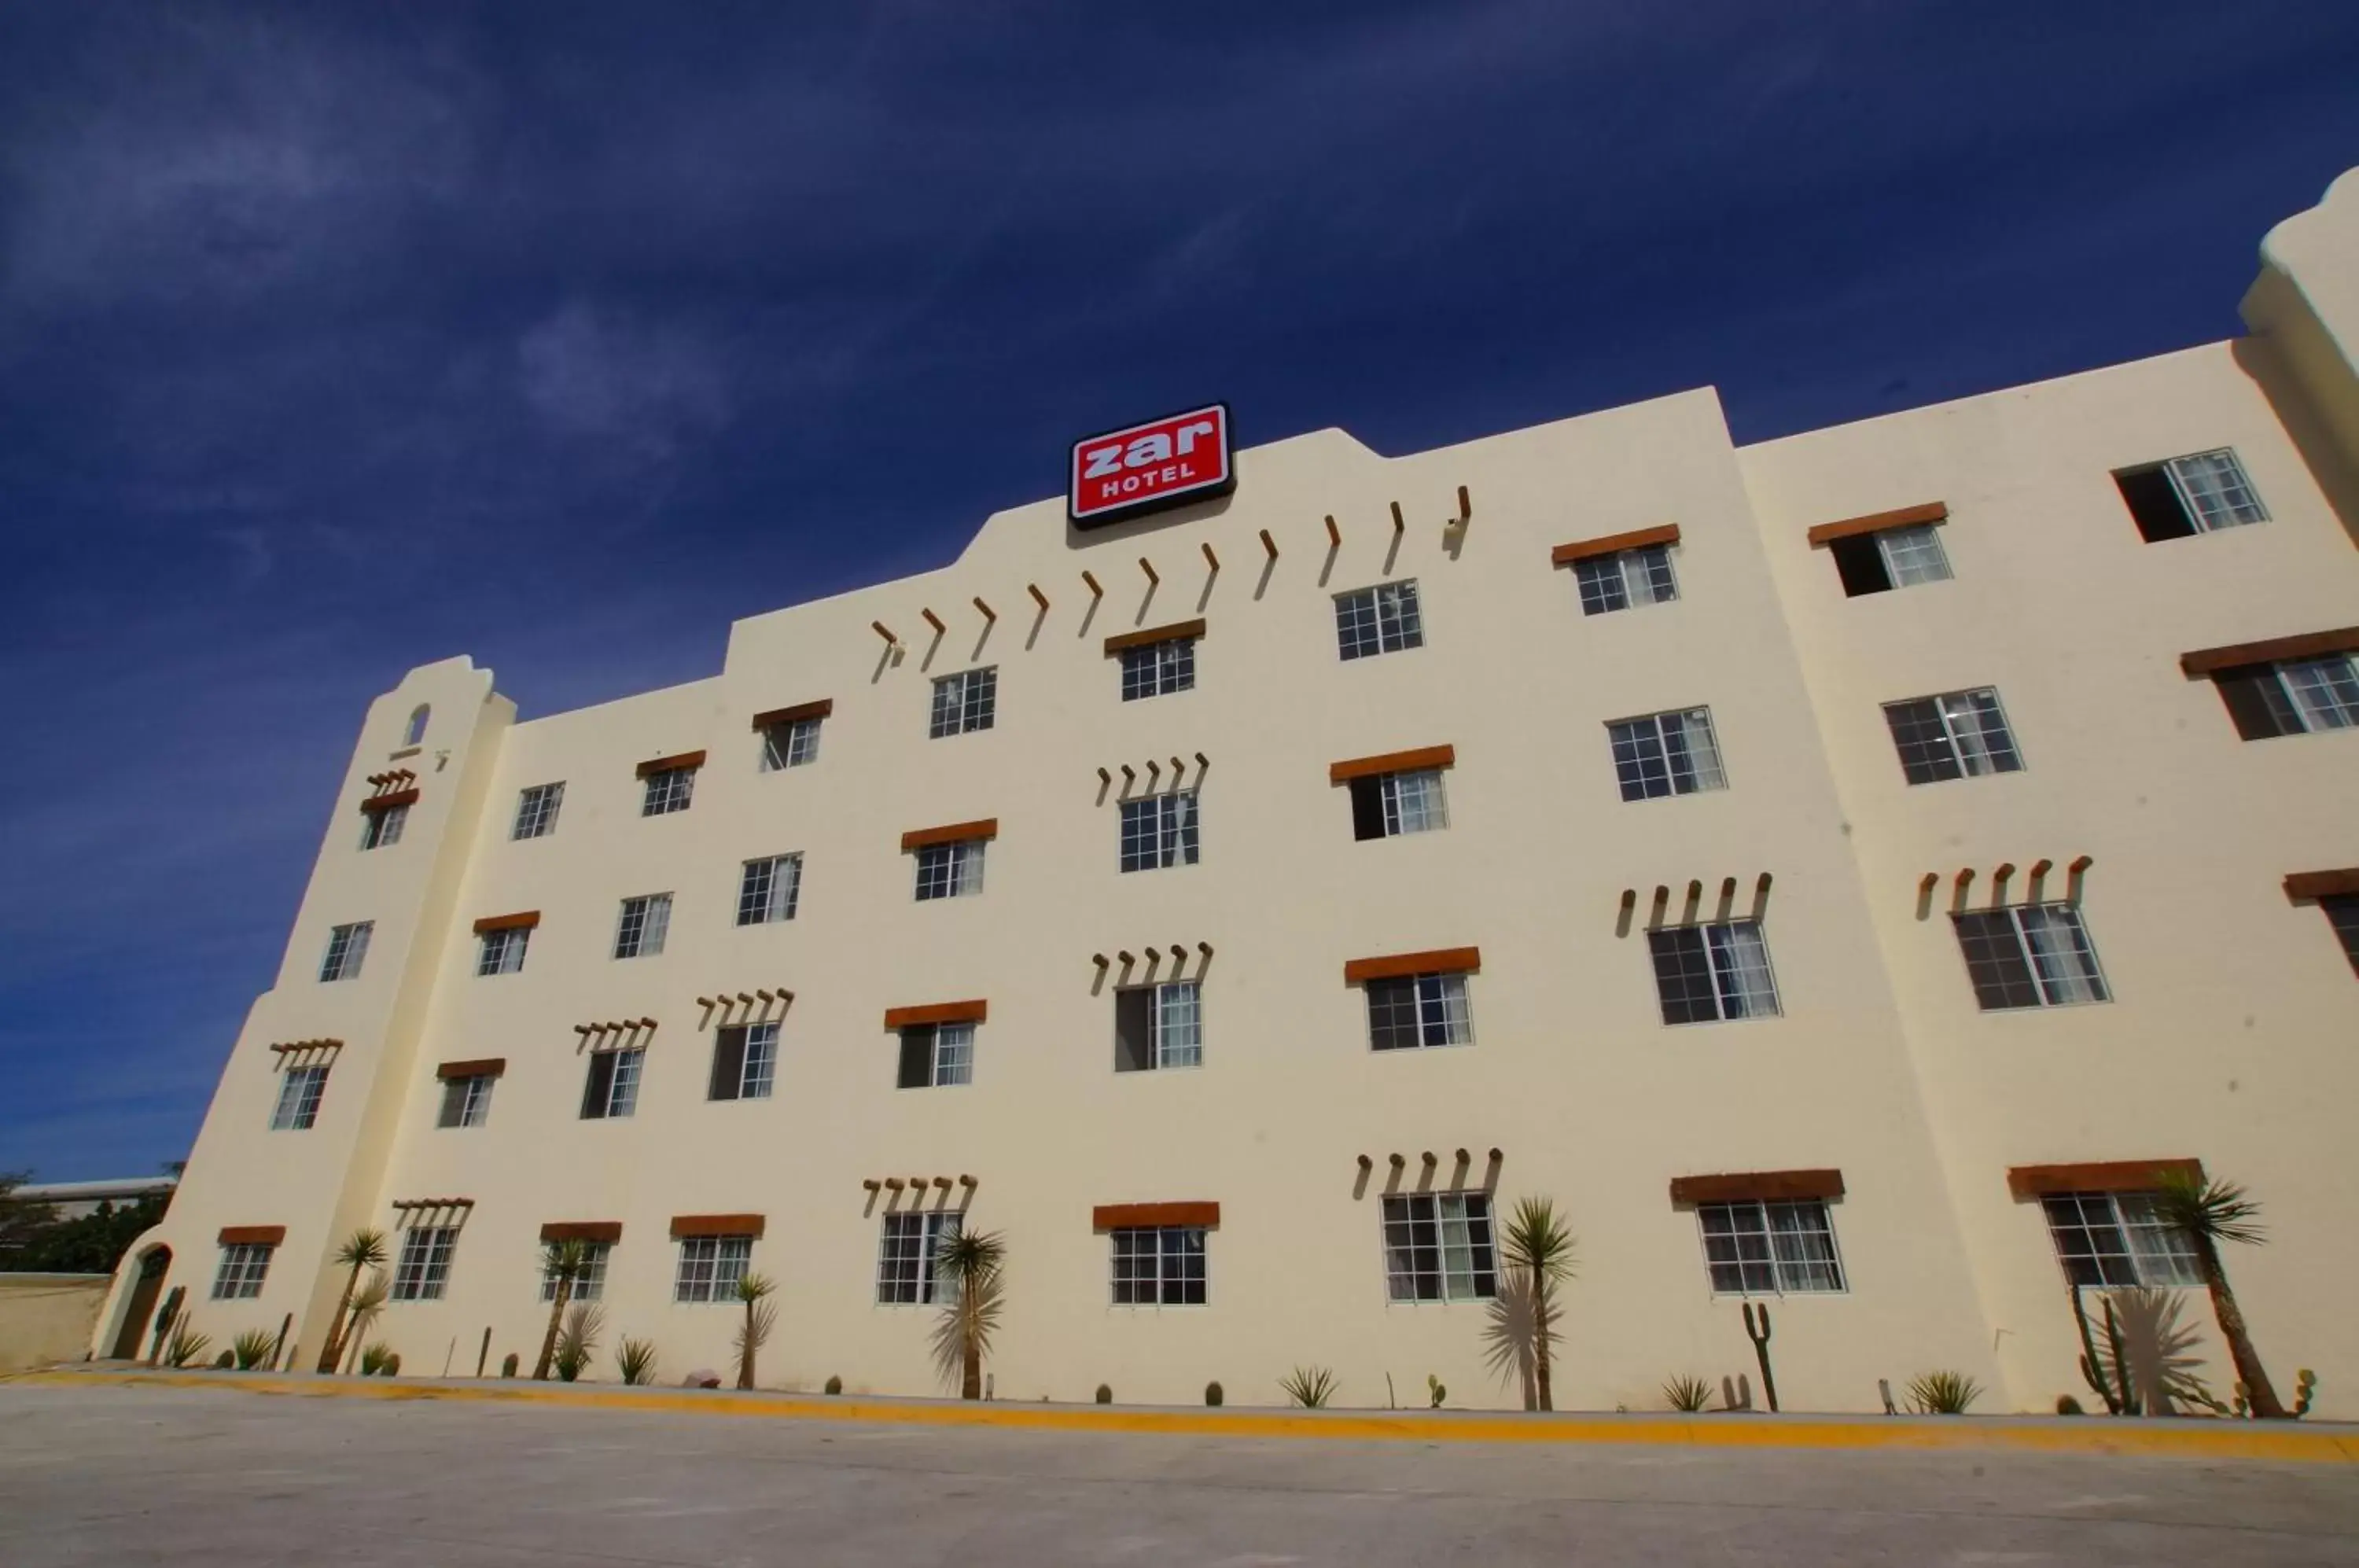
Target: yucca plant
x,y
1537,1245
376,1359
364,1248
1689,1394
635,1360
761,1317
367,1302
2207,1214
1942,1393
252,1348
973,1266
186,1345
563,1262
1310,1387
583,1325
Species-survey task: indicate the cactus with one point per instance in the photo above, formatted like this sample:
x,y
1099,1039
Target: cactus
x,y
1212,1393
2305,1390
2092,1369
1760,1338
2121,1360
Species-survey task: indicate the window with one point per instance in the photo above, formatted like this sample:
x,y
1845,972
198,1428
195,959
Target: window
x,y
1416,1010
935,1056
347,946
611,1088
415,731
1666,754
1158,669
668,790
2295,696
2190,494
1383,619
1956,735
466,1102
299,1089
382,829
1158,1266
744,1060
2116,1238
589,1284
423,1269
1437,1247
2342,914
501,951
710,1266
1625,578
536,811
790,745
1159,1025
1889,558
1768,1248
1710,972
964,702
2031,955
768,888
640,932
242,1265
950,870
905,1260
1159,831
1387,804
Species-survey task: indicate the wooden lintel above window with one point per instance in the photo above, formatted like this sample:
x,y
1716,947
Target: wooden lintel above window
x,y
2309,644
1440,961
1146,635
607,1231
1876,522
716,1225
936,1013
1613,544
1134,1216
289,1047
1756,1187
778,716
482,1067
2323,884
957,833
2101,1176
387,803
253,1234
523,919
1392,762
671,764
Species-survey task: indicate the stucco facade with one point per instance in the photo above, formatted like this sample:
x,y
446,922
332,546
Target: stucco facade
x,y
1876,1085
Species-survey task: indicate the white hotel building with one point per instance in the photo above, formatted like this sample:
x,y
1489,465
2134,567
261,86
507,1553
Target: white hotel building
x,y
1839,872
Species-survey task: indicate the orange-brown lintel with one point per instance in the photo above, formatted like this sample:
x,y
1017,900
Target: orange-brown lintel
x,y
1392,762
253,1234
778,716
2323,884
2103,1176
607,1231
716,1225
1611,544
2309,644
387,803
482,1067
936,1013
1441,961
1146,635
671,764
957,833
1876,522
523,919
1756,1186
1134,1216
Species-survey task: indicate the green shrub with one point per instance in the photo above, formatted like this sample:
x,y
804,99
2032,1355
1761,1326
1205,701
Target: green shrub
x,y
508,1364
1437,1388
1213,1395
1310,1387
2066,1405
1685,1393
835,1385
253,1347
635,1360
225,1360
1106,1395
374,1358
186,1345
1942,1393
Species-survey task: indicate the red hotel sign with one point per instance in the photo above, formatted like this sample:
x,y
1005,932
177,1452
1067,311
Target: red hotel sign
x,y
1145,468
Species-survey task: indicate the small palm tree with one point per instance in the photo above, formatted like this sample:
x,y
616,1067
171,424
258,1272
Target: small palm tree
x,y
1537,1244
564,1261
367,1302
364,1248
2207,1214
973,1263
761,1317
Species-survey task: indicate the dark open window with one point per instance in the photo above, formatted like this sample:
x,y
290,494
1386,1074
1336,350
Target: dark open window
x,y
2154,504
728,1063
1368,807
1134,1030
1860,564
2342,914
598,1091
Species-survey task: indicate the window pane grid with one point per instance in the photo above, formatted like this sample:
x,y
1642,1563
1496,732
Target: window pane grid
x,y
1951,735
1383,619
2105,1239
1158,669
907,1247
1437,1247
759,1070
299,1099
1413,1011
1666,754
950,870
536,811
1625,579
710,1266
2030,955
1708,974
1179,1024
502,951
964,702
623,1089
790,745
589,1284
347,947
2323,694
1413,802
669,792
1913,554
953,1055
2212,486
1770,1248
466,1102
424,1267
1159,831
380,830
768,889
1158,1266
639,933
243,1266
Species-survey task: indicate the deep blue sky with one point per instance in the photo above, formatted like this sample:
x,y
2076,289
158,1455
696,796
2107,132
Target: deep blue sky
x,y
338,338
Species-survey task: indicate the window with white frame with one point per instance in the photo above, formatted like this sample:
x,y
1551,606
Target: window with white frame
x,y
950,870
611,1086
935,1056
1666,754
589,1282
1890,558
1626,578
745,1061
1158,669
1158,1266
768,888
964,702
381,829
1768,1248
422,1271
1159,831
1382,619
1708,974
466,1102
243,1266
1159,1025
1957,735
2292,696
347,947
793,744
2197,494
501,951
299,1089
2029,955
2119,1238
1384,805
905,1250
667,790
710,1267
1437,1247
537,810
1412,1011
645,921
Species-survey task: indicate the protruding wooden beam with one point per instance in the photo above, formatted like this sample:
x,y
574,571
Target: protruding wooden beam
x,y
1175,770
1728,886
1926,883
2040,868
1210,559
1091,584
988,613
763,994
1037,598
1206,949
1101,959
1335,534
943,1182
705,1002
1398,1163
1965,878
1497,1157
881,629
1465,1157
1269,544
744,996
1431,1160
966,1181
894,1184
1148,567
1200,763
1401,524
1465,505
1127,958
2080,863
1129,777
1761,886
1695,888
934,621
1367,1163
786,996
872,1184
